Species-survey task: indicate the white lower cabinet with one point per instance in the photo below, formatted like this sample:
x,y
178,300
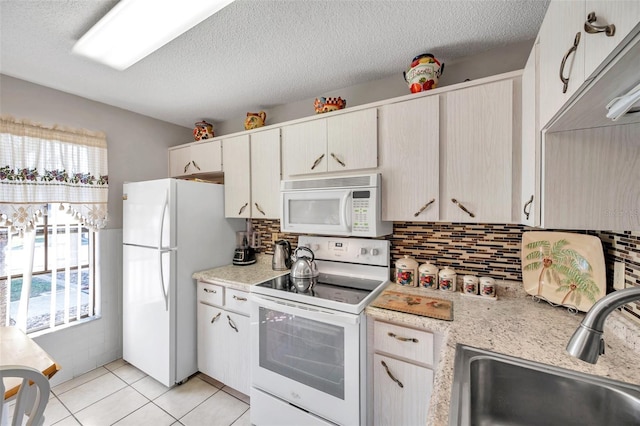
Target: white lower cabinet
x,y
403,363
223,335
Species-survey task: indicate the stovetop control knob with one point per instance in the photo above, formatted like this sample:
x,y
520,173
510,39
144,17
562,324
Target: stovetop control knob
x,y
363,251
374,252
315,247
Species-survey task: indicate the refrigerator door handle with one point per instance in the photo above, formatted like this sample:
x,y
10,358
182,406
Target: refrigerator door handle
x,y
165,207
163,287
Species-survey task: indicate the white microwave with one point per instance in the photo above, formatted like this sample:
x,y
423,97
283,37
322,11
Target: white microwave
x,y
337,205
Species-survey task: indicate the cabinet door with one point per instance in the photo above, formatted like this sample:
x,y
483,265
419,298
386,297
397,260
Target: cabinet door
x,y
304,148
394,405
265,174
624,14
211,335
237,352
352,141
237,176
563,20
409,159
206,157
180,161
591,179
476,154
530,154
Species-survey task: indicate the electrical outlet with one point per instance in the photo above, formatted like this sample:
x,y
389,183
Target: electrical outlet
x,y
618,275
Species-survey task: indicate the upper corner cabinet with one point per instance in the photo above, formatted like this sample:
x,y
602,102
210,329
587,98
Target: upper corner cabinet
x,y
344,142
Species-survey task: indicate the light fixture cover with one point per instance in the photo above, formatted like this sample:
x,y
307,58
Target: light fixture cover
x,y
135,28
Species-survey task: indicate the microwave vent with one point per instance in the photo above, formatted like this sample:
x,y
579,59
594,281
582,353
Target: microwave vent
x,y
331,182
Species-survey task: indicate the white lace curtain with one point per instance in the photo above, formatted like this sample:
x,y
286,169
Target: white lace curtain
x,y
42,165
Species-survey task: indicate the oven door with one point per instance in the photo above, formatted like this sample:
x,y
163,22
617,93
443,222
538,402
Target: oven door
x,y
318,212
308,357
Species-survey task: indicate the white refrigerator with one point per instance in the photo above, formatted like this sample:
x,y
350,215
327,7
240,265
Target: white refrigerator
x,y
171,229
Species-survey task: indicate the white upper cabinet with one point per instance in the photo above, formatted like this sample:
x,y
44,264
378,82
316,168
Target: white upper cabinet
x,y
195,158
476,153
409,159
340,143
265,174
530,155
237,176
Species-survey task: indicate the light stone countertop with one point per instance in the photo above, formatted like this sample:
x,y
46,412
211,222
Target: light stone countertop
x,y
514,325
241,277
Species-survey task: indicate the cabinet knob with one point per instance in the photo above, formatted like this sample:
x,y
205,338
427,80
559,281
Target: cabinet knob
x,y
196,165
565,81
315,163
528,204
186,166
384,364
423,208
240,299
242,208
335,157
463,208
215,317
589,28
232,324
259,209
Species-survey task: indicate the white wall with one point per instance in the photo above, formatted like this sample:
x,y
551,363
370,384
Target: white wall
x,y
137,150
496,61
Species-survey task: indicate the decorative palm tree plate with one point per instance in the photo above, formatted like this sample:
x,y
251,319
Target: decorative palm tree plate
x,y
563,268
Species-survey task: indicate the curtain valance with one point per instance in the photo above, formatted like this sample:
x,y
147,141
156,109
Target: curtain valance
x,y
50,165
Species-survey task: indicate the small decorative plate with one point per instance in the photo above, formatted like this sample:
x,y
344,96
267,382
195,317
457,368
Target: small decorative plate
x,y
563,268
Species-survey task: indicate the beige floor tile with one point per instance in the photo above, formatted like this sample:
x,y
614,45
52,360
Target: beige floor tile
x,y
77,381
89,393
242,397
112,408
55,411
148,415
220,410
244,420
150,387
68,421
129,373
184,398
115,364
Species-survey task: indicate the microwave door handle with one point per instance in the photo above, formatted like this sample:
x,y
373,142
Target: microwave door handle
x,y
290,308
346,212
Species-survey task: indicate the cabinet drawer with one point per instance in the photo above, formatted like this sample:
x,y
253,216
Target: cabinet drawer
x,y
237,301
416,345
212,294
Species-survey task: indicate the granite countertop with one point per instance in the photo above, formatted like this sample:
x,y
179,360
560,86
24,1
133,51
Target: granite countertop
x,y
514,325
241,277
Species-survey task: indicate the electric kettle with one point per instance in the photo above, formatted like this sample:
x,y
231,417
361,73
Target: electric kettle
x,y
281,260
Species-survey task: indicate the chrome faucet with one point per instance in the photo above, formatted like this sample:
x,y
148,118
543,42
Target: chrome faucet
x,y
587,343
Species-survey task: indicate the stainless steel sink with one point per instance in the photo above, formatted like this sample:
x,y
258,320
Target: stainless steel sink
x,y
490,388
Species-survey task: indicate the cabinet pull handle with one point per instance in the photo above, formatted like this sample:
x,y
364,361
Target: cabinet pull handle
x,y
240,299
463,208
565,81
242,208
528,203
215,317
416,214
315,163
186,167
384,364
194,163
403,339
338,160
609,30
260,210
206,290
232,324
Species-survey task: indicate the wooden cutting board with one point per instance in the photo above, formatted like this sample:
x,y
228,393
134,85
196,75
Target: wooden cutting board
x,y
425,306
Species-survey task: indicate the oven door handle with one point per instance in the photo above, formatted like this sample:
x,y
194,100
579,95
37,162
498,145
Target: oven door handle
x,y
288,307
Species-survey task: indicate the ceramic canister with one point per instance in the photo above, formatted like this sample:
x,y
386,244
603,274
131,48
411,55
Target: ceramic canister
x,y
470,284
428,276
487,287
407,271
447,279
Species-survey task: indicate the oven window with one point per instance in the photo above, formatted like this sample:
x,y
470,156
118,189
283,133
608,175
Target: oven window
x,y
303,350
315,212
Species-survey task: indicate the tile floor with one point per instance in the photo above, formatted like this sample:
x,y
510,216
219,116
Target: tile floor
x,y
120,394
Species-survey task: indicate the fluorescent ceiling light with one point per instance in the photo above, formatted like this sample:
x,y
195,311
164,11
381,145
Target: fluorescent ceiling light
x,y
135,28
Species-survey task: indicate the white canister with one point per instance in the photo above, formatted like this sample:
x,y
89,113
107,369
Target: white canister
x,y
487,287
470,284
428,276
407,271
447,279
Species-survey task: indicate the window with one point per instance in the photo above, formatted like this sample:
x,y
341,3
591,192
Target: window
x,y
63,276
53,200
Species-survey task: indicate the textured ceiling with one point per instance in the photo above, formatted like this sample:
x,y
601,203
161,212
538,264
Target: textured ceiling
x,y
255,54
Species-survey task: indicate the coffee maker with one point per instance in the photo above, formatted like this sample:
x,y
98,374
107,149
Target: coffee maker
x,y
245,252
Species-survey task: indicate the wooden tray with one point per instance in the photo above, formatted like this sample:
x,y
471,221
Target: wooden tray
x,y
563,268
425,306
